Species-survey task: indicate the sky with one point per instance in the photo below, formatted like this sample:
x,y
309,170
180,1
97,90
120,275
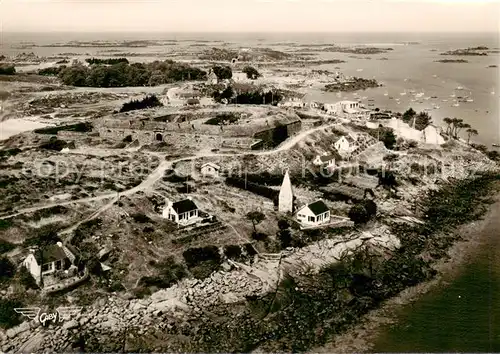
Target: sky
x,y
249,16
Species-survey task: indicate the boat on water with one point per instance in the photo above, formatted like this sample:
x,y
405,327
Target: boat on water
x,y
452,95
359,70
434,75
426,98
386,94
420,94
402,93
434,96
495,145
436,107
460,88
391,98
470,100
445,100
456,104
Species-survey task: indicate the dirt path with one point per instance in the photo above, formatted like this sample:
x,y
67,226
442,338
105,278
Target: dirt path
x,y
158,173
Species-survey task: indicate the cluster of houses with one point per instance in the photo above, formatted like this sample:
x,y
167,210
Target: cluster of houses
x,y
185,212
344,149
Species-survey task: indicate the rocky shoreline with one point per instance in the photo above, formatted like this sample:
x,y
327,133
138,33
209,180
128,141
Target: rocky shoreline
x,y
362,337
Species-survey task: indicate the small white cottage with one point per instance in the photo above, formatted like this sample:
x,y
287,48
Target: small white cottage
x,y
314,214
46,261
343,146
327,160
210,169
181,212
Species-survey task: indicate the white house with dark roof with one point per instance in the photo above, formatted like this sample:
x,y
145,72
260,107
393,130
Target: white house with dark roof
x,y
314,214
210,169
182,212
328,160
49,260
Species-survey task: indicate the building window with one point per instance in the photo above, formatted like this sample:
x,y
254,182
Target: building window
x,y
45,267
310,218
58,264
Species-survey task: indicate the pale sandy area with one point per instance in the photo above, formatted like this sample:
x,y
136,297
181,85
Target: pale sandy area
x,y
12,127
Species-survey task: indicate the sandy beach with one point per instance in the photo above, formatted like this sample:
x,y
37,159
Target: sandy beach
x,y
12,127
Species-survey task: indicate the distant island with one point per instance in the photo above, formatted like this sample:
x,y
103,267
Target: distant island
x,y
353,85
452,61
474,51
492,66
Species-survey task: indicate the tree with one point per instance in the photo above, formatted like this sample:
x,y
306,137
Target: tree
x,y
222,72
471,132
389,139
448,122
251,72
255,217
408,115
422,120
461,126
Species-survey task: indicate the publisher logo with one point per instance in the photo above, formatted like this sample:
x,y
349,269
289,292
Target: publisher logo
x,y
61,314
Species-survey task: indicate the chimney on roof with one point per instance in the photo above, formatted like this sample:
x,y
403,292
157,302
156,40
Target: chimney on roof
x,y
59,243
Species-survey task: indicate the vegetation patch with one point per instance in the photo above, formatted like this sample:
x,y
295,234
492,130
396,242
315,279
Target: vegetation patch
x,y
149,101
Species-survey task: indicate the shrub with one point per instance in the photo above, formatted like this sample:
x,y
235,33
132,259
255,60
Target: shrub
x,y
259,236
8,317
204,269
194,256
51,71
7,269
222,72
285,238
109,61
26,279
84,127
251,72
149,101
55,144
232,251
170,273
7,70
363,211
141,218
5,246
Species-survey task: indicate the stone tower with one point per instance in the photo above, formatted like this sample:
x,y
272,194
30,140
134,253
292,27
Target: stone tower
x,y
285,201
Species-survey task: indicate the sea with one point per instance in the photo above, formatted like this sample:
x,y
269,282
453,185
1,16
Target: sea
x,y
463,315
409,66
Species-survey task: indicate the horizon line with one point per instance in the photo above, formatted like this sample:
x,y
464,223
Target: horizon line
x,y
232,31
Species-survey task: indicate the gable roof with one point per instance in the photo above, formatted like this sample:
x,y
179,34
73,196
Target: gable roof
x,y
333,156
50,254
211,164
318,207
184,206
